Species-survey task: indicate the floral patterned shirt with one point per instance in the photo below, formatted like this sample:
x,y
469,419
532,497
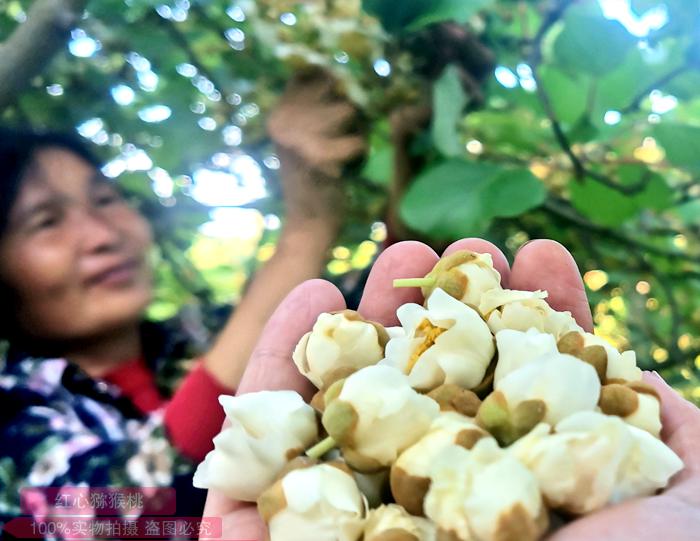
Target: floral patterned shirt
x,y
60,427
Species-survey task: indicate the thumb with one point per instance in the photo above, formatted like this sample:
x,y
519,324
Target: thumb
x,y
270,367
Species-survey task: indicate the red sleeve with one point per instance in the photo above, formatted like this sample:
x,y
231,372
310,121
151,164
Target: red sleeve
x,y
194,416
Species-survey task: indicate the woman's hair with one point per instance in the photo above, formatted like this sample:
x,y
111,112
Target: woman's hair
x,y
18,150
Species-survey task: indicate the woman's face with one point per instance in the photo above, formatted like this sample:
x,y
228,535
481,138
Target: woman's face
x,y
74,254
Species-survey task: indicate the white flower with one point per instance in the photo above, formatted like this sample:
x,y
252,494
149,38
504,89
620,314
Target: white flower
x,y
410,474
446,343
393,522
576,469
395,332
464,275
152,465
484,494
267,430
522,310
338,345
320,502
518,348
564,383
594,459
377,415
648,467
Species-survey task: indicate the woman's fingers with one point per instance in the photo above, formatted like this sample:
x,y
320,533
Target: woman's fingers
x,y
380,299
239,520
680,420
270,366
546,264
482,246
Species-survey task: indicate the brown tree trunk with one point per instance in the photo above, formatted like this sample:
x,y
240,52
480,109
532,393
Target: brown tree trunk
x,y
34,43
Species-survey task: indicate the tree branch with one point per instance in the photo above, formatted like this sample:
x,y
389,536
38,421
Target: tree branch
x,y
629,189
662,81
563,210
34,43
580,170
534,60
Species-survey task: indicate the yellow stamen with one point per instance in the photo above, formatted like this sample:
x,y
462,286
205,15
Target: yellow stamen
x,y
430,332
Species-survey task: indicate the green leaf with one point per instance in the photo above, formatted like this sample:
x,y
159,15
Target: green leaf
x,y
582,131
618,88
568,95
450,10
607,206
416,14
449,100
394,19
681,143
657,195
508,130
689,212
590,42
459,198
379,166
603,205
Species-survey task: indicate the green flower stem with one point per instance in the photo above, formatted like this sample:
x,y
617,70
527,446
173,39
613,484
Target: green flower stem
x,y
414,282
321,448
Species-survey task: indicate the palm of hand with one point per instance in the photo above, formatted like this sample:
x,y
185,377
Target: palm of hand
x,y
675,514
316,124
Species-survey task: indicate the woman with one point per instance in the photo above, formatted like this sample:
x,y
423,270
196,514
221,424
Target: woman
x,y
88,392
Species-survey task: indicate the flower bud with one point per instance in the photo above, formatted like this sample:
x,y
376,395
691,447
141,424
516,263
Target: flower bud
x,y
616,367
575,469
523,310
564,383
451,397
518,348
508,422
268,429
320,502
484,494
339,344
392,523
648,467
637,403
464,275
375,415
446,343
410,474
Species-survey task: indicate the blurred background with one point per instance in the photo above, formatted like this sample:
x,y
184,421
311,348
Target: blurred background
x,y
510,120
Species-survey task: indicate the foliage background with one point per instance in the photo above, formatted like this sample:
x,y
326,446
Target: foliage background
x,y
572,120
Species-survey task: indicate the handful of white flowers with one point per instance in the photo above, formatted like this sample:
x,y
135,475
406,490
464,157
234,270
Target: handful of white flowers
x,y
485,415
